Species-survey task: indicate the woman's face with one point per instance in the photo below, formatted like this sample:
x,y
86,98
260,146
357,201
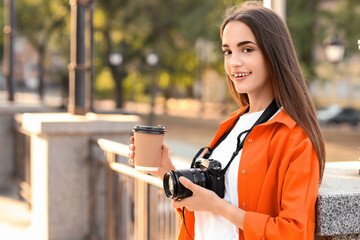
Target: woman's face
x,y
244,61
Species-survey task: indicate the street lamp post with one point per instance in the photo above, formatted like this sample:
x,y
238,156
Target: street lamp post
x,y
115,60
334,50
152,59
9,48
81,66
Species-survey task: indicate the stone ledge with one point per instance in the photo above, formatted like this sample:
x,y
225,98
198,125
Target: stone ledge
x,y
338,203
68,124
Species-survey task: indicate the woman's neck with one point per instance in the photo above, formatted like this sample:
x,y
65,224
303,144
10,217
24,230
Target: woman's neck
x,y
259,104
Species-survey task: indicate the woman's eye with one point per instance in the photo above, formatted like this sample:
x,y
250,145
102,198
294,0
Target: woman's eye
x,y
227,52
247,50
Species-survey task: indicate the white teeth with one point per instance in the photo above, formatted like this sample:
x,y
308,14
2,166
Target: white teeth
x,y
241,74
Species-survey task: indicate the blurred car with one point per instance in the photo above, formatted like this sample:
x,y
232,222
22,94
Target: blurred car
x,y
335,114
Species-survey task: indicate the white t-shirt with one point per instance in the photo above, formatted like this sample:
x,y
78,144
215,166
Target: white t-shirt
x,y
210,226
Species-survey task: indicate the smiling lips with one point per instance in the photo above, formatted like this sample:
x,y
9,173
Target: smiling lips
x,y
236,75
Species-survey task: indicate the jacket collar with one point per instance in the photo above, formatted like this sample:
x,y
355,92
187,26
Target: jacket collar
x,y
281,117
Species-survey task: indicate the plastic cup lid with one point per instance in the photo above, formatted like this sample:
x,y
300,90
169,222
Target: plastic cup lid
x,y
160,129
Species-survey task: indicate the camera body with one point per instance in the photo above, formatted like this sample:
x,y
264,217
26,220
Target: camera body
x,y
216,179
205,173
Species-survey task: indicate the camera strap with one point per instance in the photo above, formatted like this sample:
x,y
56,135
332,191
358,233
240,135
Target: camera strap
x,y
265,116
201,151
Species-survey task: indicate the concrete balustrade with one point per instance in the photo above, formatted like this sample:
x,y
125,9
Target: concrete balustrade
x,y
7,137
60,170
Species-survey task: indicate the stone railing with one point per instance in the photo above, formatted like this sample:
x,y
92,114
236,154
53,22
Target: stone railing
x,y
137,207
58,153
338,203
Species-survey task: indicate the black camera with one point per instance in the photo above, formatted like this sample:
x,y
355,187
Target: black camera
x,y
206,173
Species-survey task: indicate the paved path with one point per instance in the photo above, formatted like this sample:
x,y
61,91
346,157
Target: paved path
x,y
14,217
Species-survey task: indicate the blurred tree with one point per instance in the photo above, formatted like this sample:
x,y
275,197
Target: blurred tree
x,y
108,22
38,21
312,22
301,20
177,27
340,21
136,28
168,27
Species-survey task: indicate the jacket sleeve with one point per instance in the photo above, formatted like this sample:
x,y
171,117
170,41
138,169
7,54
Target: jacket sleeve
x,y
299,190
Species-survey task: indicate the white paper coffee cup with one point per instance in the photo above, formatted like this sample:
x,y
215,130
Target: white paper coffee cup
x,y
148,142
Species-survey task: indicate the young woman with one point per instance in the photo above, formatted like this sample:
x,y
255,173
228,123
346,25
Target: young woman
x,y
272,182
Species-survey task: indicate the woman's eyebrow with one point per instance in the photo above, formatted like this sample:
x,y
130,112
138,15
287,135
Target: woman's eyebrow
x,y
239,44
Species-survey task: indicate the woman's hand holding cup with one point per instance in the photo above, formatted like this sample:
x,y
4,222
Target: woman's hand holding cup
x,y
152,156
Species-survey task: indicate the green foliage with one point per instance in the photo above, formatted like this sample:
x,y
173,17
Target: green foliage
x,y
341,20
172,29
168,27
37,20
45,25
104,84
135,84
301,20
312,22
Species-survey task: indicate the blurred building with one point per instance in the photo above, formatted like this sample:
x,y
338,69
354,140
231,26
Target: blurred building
x,y
342,86
26,66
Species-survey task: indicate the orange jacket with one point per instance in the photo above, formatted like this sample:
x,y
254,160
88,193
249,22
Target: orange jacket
x,y
278,181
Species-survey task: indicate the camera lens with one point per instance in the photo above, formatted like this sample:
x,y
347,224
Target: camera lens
x,y
174,189
171,186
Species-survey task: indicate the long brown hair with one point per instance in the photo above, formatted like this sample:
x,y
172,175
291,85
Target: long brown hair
x,y
288,83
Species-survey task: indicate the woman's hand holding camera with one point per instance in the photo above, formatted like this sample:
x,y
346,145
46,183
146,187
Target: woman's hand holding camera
x,y
202,199
165,161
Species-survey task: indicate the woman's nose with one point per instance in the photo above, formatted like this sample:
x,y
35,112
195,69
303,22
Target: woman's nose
x,y
235,61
